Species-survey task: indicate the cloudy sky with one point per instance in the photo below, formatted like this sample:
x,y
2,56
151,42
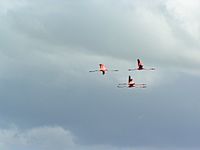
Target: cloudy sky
x,y
49,100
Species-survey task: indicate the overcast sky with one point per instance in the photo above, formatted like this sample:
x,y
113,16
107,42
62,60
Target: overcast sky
x,y
49,100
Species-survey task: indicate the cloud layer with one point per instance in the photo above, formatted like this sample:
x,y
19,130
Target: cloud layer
x,y
47,48
51,138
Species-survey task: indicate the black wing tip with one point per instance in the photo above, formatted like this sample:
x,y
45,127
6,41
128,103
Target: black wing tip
x,y
131,69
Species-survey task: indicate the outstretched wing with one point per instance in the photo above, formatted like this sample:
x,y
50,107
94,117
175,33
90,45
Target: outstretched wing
x,y
132,69
149,69
140,86
113,70
93,70
122,86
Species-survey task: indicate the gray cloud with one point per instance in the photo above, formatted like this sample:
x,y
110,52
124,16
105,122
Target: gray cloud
x,y
125,30
43,138
101,114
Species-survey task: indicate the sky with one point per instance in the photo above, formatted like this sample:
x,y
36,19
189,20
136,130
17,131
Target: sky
x,y
49,100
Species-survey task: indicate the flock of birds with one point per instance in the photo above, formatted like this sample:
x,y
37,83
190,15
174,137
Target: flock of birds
x,y
130,83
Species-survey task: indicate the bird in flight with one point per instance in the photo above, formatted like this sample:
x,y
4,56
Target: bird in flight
x,y
102,69
131,84
140,66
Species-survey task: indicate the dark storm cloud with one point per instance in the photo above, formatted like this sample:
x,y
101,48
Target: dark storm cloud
x,y
47,48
